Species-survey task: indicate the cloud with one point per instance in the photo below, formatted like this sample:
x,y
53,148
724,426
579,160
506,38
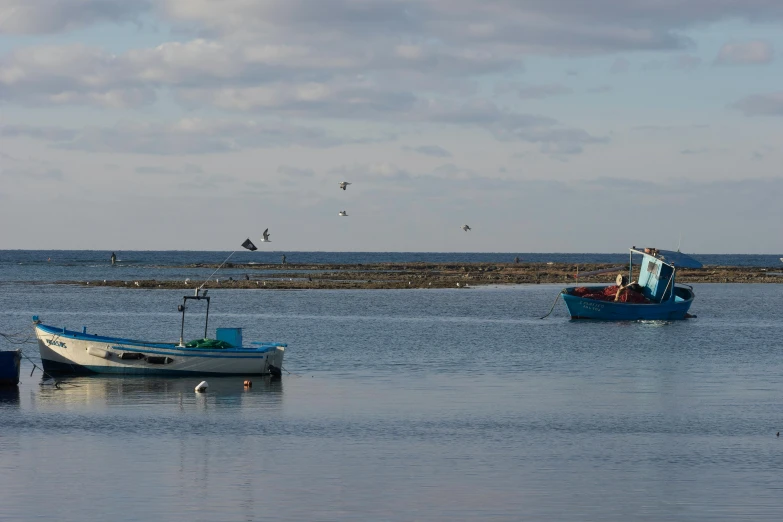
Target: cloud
x,y
295,172
206,183
187,168
542,91
33,173
451,171
570,26
318,100
47,133
70,74
310,99
351,55
620,65
770,104
507,125
533,26
238,74
745,53
430,150
196,136
187,136
52,16
685,62
612,183
700,150
669,128
652,65
380,171
600,89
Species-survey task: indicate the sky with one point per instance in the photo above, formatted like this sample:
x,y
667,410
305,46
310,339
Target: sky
x,y
545,125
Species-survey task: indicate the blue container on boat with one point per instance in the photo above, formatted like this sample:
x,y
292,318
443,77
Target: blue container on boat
x,y
10,362
232,336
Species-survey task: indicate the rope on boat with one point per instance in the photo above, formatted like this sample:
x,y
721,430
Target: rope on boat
x,y
553,306
218,268
56,382
16,339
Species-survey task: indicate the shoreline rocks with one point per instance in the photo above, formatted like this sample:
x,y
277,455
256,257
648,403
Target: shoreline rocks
x,y
430,275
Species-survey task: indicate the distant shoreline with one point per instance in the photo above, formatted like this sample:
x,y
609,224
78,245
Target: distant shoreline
x,y
429,275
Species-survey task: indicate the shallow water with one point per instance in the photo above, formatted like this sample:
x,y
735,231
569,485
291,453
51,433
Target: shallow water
x,y
407,405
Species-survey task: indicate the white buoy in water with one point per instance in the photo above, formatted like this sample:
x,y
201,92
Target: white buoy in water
x,y
202,386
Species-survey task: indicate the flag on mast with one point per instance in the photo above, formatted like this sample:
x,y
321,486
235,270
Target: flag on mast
x,y
249,244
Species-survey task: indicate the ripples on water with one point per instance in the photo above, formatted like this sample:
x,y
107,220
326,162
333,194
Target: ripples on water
x,y
407,405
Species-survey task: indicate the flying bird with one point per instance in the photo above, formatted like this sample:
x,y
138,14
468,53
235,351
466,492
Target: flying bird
x,y
343,213
344,185
466,228
266,234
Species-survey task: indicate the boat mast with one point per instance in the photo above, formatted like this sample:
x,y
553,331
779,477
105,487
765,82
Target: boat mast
x,y
206,320
183,307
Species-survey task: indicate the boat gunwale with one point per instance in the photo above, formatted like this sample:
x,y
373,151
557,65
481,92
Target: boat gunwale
x,y
668,302
79,336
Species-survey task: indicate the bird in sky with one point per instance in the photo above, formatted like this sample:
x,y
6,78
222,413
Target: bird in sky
x,y
265,239
343,213
344,185
466,228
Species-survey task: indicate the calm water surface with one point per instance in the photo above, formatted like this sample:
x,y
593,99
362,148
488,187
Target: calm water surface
x,y
407,405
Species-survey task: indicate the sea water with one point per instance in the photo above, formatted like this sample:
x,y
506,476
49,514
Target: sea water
x,y
451,404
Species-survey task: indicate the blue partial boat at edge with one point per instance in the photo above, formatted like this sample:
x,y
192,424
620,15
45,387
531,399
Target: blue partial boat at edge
x,y
667,300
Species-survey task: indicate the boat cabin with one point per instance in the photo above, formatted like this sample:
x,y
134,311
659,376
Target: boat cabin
x,y
657,272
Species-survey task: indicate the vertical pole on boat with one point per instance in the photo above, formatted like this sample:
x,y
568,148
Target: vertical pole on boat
x,y
206,321
182,329
671,282
630,266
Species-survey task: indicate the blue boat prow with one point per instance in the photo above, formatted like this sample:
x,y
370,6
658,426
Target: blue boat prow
x,y
664,300
10,363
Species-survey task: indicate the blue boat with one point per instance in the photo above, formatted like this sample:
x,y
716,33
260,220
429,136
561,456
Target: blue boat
x,y
10,362
655,296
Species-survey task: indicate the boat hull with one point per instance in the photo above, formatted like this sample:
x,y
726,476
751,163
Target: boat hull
x,y
10,364
585,308
64,351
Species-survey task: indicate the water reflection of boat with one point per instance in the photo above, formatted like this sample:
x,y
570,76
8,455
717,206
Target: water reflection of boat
x,y
136,391
654,297
67,351
9,395
10,361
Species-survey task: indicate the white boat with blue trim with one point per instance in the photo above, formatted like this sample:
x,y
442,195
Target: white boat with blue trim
x,y
68,351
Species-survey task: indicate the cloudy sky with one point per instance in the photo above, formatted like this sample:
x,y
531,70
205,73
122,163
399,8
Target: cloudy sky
x,y
546,125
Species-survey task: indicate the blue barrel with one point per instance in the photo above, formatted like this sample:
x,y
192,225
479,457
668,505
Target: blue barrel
x,y
10,362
